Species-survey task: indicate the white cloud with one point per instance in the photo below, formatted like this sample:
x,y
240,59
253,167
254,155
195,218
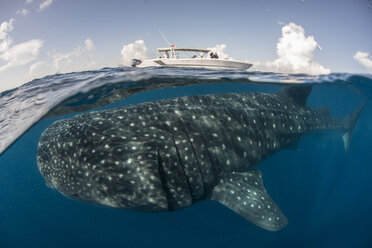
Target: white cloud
x,y
89,44
133,50
21,54
45,4
29,1
220,50
23,12
71,57
295,53
364,58
5,39
36,67
15,56
5,28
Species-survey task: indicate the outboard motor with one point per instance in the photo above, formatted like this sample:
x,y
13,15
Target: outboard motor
x,y
136,62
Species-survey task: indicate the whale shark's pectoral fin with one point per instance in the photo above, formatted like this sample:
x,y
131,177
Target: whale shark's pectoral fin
x,y
244,193
349,123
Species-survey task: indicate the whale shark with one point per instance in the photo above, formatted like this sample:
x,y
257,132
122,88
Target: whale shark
x,y
169,154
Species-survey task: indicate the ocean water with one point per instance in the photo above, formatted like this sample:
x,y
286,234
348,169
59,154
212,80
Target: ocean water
x,y
324,191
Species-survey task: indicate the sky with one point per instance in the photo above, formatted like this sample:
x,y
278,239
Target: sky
x,y
44,37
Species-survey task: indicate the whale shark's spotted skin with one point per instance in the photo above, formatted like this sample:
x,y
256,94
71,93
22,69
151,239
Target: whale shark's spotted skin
x,y
169,154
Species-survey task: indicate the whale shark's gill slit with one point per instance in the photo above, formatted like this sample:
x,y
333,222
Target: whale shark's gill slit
x,y
215,170
196,157
183,169
163,181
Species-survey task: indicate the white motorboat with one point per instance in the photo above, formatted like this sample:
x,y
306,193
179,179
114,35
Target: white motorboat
x,y
195,57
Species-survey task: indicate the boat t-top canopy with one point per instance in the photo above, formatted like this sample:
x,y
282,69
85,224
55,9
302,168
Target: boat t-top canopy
x,y
184,49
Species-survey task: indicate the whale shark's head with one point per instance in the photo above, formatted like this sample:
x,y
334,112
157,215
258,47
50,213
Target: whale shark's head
x,y
95,159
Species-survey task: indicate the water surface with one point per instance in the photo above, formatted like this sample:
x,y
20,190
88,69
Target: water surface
x,y
323,191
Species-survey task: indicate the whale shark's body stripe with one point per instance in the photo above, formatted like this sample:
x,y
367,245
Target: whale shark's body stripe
x,y
169,154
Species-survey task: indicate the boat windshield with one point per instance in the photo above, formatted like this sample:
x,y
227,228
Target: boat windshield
x,y
176,53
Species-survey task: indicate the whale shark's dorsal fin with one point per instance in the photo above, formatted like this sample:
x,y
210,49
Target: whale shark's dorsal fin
x,y
298,94
244,193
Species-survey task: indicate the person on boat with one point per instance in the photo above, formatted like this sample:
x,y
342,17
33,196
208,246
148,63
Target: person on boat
x,y
214,55
166,55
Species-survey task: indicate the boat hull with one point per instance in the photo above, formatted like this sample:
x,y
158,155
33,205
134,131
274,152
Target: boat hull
x,y
198,62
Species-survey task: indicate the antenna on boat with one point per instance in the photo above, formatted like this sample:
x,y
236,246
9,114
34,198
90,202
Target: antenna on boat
x,y
173,53
165,38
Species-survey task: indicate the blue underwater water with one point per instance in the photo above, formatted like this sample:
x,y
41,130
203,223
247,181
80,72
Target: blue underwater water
x,y
324,191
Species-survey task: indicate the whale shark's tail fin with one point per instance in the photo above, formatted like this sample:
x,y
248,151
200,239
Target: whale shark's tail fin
x,y
349,123
244,193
